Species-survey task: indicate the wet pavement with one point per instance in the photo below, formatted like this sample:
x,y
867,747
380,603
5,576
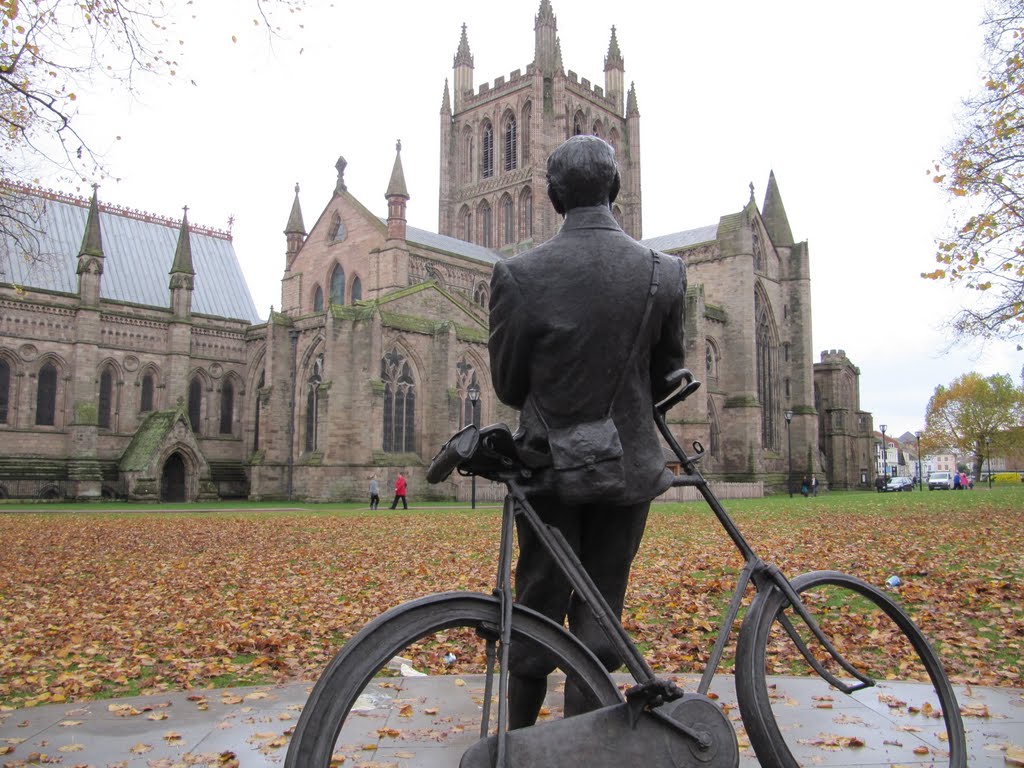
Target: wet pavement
x,y
428,722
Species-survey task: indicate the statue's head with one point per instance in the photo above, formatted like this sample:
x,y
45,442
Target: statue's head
x,y
582,172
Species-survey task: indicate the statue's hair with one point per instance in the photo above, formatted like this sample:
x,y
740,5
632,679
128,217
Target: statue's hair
x,y
581,172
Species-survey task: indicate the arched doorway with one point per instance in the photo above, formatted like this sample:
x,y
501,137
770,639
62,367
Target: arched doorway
x,y
172,479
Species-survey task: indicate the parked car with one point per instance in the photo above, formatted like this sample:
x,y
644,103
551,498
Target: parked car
x,y
900,484
940,481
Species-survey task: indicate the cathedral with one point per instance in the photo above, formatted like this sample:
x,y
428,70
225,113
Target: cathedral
x,y
133,364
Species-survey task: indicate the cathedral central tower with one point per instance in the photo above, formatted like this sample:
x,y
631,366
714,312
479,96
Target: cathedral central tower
x,y
495,141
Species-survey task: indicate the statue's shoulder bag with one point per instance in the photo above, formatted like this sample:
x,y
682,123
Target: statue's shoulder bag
x,y
586,458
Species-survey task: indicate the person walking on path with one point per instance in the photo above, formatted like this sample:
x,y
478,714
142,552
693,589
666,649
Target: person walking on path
x,y
814,485
374,492
399,492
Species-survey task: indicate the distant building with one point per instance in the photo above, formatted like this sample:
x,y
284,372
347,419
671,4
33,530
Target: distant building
x,y
844,430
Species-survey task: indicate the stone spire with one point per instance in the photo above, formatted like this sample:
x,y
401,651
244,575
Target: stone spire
x,y
90,256
446,101
295,224
397,195
613,59
183,253
558,55
774,214
545,28
463,56
463,66
294,230
631,108
614,73
92,242
182,273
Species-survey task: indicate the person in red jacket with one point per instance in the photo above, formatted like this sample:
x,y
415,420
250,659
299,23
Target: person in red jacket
x,y
399,492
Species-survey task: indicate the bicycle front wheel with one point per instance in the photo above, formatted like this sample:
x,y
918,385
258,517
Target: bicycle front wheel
x,y
886,724
429,626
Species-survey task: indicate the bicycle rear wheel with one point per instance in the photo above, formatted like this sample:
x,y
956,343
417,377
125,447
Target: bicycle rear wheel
x,y
432,623
887,724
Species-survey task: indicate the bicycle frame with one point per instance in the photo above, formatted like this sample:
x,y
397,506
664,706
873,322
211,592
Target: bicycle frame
x,y
649,688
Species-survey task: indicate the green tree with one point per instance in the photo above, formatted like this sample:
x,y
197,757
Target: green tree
x,y
983,171
973,410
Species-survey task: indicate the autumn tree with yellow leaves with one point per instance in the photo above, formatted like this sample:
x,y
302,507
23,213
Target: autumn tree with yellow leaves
x,y
972,411
984,174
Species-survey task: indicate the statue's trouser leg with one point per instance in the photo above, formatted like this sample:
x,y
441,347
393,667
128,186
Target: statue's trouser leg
x,y
606,540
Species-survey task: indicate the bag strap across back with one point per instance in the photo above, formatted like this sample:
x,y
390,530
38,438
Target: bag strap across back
x,y
655,282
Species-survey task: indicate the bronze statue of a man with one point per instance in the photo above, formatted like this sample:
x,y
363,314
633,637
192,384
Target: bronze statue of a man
x,y
565,317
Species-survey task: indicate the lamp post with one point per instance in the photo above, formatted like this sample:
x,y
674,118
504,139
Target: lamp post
x,y
920,487
789,453
474,398
988,449
885,458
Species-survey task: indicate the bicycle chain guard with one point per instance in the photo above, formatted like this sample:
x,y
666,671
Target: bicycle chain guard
x,y
605,738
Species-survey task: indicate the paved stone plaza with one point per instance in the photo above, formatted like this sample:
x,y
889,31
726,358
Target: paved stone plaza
x,y
427,722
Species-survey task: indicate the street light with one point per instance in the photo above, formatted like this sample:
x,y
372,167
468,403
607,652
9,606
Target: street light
x,y
474,398
789,453
885,458
920,487
988,448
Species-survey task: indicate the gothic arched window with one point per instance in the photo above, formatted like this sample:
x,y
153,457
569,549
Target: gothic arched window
x,y
357,289
524,133
227,407
195,404
466,221
714,430
256,412
487,151
104,414
337,285
711,360
399,403
758,251
5,389
508,220
313,404
146,396
486,223
318,299
578,124
467,156
765,352
511,142
46,395
481,296
526,214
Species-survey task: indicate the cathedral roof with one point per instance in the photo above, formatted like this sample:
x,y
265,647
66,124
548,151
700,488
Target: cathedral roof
x,y
684,239
139,250
450,245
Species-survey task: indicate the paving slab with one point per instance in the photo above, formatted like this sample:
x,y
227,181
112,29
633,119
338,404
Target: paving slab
x,y
427,722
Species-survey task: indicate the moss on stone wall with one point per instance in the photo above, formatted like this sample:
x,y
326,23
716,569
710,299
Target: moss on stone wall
x,y
85,413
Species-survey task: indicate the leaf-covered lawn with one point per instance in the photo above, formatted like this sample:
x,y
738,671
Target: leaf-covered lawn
x,y
105,604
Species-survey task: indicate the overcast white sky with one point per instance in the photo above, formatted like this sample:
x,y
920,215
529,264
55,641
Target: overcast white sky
x,y
849,104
